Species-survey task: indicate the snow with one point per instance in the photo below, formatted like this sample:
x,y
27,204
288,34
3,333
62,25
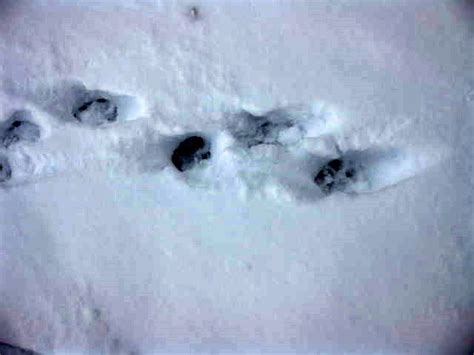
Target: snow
x,y
106,248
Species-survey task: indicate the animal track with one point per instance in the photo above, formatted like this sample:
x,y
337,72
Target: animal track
x,y
253,130
274,127
335,175
19,128
189,152
366,171
96,111
5,169
72,101
276,153
98,107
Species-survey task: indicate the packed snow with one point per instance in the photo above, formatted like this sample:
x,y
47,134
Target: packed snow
x,y
236,176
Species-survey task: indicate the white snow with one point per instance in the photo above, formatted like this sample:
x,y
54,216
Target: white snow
x,y
106,248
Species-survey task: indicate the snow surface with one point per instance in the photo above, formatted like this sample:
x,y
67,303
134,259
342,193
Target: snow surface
x,y
106,248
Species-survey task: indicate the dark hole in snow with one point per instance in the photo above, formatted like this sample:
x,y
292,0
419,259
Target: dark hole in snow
x,y
84,107
350,173
325,179
194,13
189,152
335,164
334,175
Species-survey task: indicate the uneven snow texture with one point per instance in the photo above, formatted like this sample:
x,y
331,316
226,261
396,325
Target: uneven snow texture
x,y
105,247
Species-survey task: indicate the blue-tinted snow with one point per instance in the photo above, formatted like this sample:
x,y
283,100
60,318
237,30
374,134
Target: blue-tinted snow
x,y
104,248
